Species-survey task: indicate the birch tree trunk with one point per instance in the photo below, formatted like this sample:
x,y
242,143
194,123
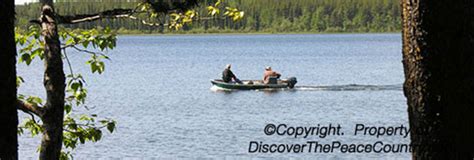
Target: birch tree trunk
x,y
54,83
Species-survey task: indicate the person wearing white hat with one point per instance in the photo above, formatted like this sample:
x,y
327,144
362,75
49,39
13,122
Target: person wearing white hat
x,y
228,76
269,73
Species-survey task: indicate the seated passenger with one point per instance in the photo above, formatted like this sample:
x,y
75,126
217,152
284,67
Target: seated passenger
x,y
228,76
269,73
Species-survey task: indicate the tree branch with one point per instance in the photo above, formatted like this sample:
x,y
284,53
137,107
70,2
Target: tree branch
x,y
174,6
68,62
147,23
115,13
29,108
93,17
85,51
158,7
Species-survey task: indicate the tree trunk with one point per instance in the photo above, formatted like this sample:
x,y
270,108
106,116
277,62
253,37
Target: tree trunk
x,y
8,99
54,82
438,59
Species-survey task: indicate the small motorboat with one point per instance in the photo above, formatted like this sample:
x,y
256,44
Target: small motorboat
x,y
256,84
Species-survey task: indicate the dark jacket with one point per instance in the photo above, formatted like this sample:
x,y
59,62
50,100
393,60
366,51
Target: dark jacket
x,y
227,75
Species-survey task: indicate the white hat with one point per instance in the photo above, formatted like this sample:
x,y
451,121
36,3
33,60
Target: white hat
x,y
268,68
227,66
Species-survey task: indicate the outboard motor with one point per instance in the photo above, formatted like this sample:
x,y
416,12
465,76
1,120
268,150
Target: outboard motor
x,y
291,82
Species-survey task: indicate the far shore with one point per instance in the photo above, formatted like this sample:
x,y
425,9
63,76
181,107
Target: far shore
x,y
246,33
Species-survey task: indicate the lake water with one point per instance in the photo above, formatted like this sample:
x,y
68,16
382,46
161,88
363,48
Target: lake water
x,y
158,90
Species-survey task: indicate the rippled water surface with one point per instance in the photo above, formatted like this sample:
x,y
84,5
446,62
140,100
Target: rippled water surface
x,y
158,90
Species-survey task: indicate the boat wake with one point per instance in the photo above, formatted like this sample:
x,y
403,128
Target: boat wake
x,y
351,87
348,87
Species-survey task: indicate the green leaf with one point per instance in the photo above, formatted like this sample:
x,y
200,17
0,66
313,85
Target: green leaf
x,y
21,96
101,66
20,131
75,86
65,155
241,14
19,81
105,57
174,16
227,13
34,100
97,135
102,44
25,58
85,44
33,127
86,118
111,126
81,139
73,126
37,52
154,15
70,41
67,108
111,45
22,40
94,67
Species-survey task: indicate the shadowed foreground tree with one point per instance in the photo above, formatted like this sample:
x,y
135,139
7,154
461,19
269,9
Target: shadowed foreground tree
x,y
8,99
438,59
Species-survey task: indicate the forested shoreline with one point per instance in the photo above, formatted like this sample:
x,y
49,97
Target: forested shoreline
x,y
261,16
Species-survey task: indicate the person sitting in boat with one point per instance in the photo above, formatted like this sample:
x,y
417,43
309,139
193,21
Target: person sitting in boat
x,y
228,76
269,73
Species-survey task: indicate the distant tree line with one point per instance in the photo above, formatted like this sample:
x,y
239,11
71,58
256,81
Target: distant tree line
x,y
260,16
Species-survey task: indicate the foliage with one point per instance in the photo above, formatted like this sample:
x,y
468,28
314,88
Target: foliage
x,y
263,16
81,128
32,46
77,128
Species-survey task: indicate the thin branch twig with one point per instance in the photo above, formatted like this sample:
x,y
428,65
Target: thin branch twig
x,y
68,62
87,51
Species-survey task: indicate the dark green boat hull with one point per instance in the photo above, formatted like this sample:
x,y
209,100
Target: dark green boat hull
x,y
237,86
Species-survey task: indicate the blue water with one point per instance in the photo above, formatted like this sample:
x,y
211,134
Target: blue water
x,y
158,90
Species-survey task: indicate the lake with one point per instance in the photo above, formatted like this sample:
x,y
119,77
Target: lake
x,y
157,88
